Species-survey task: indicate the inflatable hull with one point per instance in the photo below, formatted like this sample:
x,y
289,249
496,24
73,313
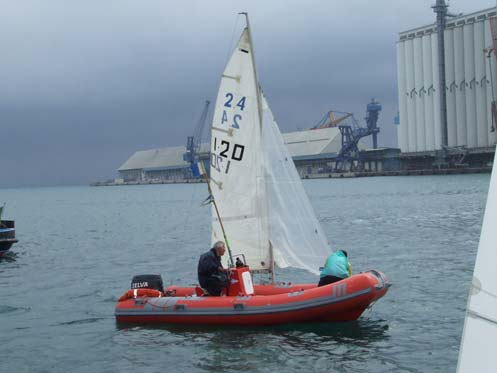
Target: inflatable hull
x,y
345,300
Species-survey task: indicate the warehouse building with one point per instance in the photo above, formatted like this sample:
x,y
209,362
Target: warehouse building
x,y
471,85
165,164
313,152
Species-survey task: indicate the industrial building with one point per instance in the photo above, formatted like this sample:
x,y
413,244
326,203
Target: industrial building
x,y
446,125
470,83
313,151
165,164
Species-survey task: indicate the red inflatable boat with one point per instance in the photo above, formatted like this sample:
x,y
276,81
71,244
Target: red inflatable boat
x,y
245,304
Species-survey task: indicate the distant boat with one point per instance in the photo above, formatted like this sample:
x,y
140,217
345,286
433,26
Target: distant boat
x,y
479,336
7,233
260,204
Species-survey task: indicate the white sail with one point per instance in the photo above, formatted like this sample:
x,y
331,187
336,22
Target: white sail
x,y
295,233
478,352
236,170
258,192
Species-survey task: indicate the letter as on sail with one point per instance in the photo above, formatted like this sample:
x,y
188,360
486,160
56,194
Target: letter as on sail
x,y
477,353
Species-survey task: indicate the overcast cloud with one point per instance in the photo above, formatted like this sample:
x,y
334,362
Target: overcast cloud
x,y
85,84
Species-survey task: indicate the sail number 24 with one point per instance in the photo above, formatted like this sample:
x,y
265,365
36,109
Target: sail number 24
x,y
224,151
231,102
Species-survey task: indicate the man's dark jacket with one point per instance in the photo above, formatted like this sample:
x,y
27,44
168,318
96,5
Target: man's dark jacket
x,y
208,264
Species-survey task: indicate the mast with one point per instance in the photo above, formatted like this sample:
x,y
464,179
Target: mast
x,y
257,87
259,112
208,182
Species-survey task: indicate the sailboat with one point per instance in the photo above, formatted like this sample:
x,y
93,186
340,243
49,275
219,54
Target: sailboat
x,y
477,352
262,213
7,233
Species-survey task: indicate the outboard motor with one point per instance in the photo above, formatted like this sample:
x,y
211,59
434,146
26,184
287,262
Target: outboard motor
x,y
147,282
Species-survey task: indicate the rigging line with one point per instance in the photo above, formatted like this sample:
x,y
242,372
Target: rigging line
x,y
230,49
189,209
491,85
206,177
193,195
190,205
197,138
482,317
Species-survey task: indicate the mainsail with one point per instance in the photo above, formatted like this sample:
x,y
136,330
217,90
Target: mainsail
x,y
263,206
477,353
236,167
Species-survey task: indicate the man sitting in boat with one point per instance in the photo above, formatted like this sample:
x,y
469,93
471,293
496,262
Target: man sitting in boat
x,y
212,277
336,268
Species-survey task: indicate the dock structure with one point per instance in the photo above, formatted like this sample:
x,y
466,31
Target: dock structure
x,y
376,162
166,165
446,124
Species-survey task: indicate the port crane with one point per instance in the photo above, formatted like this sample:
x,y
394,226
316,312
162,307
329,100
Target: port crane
x,y
329,119
349,158
193,142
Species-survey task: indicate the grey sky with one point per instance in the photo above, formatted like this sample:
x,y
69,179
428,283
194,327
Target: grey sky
x,y
85,84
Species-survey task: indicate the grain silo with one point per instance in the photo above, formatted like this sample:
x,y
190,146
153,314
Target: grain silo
x,y
471,84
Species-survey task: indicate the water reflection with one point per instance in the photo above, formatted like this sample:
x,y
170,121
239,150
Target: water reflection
x,y
9,257
362,329
245,348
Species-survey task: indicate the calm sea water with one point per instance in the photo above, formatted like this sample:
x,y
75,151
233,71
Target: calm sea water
x,y
80,246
